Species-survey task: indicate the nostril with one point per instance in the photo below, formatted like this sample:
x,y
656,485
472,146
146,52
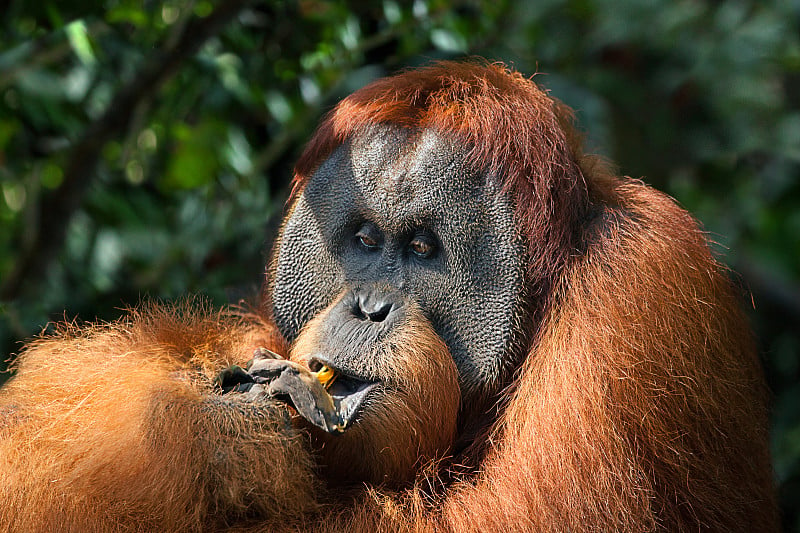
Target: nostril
x,y
380,313
373,306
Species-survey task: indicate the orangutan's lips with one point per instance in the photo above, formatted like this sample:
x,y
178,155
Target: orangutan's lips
x,y
348,392
348,397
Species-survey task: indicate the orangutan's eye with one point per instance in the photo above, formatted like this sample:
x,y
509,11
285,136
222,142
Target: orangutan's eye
x,y
369,237
422,246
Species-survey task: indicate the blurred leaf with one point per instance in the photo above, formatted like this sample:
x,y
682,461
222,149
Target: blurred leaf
x,y
128,14
194,162
79,39
448,41
7,130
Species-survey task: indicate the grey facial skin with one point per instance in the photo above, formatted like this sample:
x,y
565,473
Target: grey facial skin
x,y
402,209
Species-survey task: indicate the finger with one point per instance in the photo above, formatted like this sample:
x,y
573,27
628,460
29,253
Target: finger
x,y
261,353
264,370
231,378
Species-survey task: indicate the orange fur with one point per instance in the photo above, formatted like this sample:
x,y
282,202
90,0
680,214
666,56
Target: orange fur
x,y
114,427
648,401
640,405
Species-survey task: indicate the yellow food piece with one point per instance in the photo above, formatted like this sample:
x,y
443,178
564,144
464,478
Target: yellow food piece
x,y
326,376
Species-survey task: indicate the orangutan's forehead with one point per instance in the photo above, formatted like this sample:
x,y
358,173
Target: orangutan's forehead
x,y
395,167
403,176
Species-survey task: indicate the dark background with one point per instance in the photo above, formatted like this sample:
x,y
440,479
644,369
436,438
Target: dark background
x,y
146,147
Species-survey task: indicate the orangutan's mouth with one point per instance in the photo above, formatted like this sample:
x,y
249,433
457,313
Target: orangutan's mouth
x,y
349,393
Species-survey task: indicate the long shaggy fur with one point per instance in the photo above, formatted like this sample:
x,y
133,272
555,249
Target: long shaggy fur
x,y
114,427
639,406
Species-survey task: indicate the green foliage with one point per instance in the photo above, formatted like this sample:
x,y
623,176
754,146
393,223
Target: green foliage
x,y
702,99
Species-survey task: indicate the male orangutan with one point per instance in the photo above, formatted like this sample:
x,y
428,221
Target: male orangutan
x,y
467,325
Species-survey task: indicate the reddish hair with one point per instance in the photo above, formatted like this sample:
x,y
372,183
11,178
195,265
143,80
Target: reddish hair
x,y
641,405
515,130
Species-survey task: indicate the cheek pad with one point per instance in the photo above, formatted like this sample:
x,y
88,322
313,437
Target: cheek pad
x,y
475,302
307,276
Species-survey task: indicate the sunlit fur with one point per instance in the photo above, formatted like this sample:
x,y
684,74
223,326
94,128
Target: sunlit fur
x,y
115,427
639,406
